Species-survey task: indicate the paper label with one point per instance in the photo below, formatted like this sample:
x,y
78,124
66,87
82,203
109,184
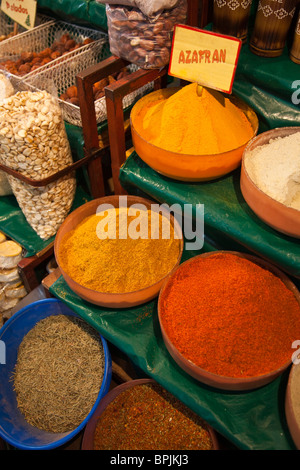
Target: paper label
x,y
204,57
22,12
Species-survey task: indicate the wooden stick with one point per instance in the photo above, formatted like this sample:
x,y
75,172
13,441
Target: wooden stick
x,y
16,28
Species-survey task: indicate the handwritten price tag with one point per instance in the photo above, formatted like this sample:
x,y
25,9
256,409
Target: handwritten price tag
x,y
204,57
22,12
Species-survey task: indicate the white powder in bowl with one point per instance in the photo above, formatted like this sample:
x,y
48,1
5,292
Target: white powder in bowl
x,y
275,169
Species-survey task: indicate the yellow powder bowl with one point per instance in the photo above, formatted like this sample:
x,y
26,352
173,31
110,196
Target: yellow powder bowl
x,y
180,166
108,299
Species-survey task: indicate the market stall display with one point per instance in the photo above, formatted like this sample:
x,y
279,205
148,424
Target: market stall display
x,y
270,178
15,427
191,137
119,317
106,262
243,308
142,415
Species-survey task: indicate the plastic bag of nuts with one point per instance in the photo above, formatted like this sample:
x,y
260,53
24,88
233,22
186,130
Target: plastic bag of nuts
x,y
142,40
34,142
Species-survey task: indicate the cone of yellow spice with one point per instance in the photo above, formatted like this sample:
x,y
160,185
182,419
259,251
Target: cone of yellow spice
x,y
192,135
118,252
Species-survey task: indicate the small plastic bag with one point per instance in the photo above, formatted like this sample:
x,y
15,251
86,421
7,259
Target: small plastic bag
x,y
141,40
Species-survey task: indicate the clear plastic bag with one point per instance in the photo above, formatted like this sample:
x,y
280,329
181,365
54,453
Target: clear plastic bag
x,y
143,41
33,141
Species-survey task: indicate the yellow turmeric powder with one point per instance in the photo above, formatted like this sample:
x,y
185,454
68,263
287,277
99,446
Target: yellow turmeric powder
x,y
103,255
195,125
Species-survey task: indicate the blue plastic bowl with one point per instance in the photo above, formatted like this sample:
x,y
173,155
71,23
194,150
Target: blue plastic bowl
x,y
14,429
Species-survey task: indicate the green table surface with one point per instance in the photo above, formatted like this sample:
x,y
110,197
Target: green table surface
x,y
251,420
226,214
271,86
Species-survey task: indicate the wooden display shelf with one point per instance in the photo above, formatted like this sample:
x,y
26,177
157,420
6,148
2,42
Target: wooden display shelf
x,y
114,94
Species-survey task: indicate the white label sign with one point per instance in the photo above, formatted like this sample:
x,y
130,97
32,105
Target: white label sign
x,y
22,12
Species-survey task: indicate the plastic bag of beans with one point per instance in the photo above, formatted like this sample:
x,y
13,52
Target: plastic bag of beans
x,y
34,142
142,40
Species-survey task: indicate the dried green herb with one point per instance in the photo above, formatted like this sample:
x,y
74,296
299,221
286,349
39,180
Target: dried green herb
x,y
58,373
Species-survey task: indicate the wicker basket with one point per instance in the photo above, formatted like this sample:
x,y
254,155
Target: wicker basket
x,y
43,36
59,77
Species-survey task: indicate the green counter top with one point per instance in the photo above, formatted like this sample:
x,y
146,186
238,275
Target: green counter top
x,y
226,214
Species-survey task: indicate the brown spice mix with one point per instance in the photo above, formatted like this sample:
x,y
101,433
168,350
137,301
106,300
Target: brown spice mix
x,y
147,417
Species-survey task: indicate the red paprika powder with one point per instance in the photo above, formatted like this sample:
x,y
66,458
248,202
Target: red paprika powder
x,y
230,316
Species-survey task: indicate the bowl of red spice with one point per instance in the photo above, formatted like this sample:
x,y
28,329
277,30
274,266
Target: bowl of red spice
x,y
141,415
229,319
117,251
270,178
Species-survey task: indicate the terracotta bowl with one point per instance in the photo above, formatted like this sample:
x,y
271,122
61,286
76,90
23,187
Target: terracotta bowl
x,y
88,437
181,166
212,379
292,403
275,214
104,299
